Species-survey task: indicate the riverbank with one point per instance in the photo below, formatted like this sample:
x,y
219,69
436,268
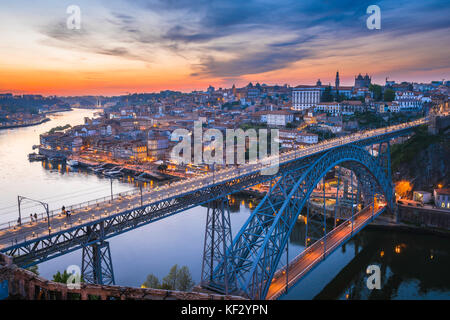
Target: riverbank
x,y
57,111
25,124
382,223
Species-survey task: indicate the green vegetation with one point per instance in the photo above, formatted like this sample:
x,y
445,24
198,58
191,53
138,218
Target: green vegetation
x,y
377,91
231,105
177,279
389,95
256,126
323,135
34,269
327,96
367,120
405,152
61,277
371,120
60,128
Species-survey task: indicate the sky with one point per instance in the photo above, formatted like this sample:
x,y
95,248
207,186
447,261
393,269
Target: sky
x,y
127,46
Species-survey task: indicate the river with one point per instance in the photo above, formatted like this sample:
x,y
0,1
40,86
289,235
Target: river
x,y
414,266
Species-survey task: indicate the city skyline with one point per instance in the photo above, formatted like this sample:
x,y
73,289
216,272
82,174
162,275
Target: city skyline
x,y
147,46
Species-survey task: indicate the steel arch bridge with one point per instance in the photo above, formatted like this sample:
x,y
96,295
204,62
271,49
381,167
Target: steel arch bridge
x,y
245,265
256,250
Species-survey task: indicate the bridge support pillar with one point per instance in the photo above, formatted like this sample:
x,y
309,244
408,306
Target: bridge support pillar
x,y
217,241
97,264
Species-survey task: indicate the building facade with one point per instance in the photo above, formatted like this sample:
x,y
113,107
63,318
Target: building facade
x,y
305,97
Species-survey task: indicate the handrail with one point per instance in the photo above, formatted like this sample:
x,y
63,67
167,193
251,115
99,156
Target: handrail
x,y
243,170
319,243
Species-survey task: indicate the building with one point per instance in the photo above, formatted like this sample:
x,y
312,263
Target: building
x,y
60,141
306,137
406,101
130,150
305,97
363,82
442,198
349,107
157,147
287,138
422,196
333,108
279,118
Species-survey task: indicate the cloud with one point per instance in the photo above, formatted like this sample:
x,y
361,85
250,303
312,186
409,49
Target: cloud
x,y
234,38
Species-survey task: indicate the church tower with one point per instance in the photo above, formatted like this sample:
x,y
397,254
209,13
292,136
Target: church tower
x,y
337,81
337,85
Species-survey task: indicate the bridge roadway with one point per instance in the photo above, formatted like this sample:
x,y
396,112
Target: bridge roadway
x,y
13,235
311,256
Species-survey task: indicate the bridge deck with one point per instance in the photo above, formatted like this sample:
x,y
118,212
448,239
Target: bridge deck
x,y
312,256
12,235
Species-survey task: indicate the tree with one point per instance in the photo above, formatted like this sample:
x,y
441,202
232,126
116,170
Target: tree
x,y
327,96
389,95
177,279
403,188
184,279
376,91
169,282
341,97
61,277
59,128
34,269
152,281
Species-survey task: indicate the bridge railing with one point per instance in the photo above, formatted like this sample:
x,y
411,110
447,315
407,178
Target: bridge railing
x,y
56,212
315,246
210,175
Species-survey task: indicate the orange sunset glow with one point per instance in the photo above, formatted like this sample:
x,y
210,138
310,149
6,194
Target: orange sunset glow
x,y
125,47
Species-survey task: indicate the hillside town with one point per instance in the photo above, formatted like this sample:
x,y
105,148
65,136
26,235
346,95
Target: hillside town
x,y
136,129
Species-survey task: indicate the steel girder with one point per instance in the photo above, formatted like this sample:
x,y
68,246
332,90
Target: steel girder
x,y
96,266
257,248
251,235
35,251
218,238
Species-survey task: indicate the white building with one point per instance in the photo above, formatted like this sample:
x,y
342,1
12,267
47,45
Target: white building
x,y
442,198
305,97
332,108
406,101
279,118
305,137
422,196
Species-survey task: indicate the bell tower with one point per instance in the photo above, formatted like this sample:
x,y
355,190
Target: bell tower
x,y
337,81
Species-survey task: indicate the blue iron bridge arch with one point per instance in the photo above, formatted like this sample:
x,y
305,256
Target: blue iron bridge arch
x,y
255,253
245,265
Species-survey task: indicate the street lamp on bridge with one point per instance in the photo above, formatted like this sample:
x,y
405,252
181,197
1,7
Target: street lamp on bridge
x,y
44,204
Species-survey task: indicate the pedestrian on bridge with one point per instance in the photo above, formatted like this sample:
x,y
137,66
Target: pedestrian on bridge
x,y
35,217
31,217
